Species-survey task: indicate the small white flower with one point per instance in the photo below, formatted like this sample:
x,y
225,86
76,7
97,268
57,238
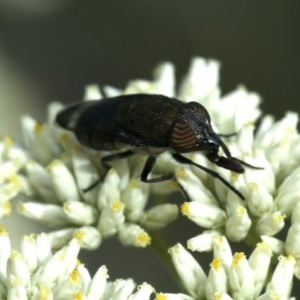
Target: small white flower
x,y
259,261
63,182
241,277
159,216
204,241
277,246
205,215
238,225
194,188
92,92
80,213
48,214
189,271
288,193
292,243
111,219
217,279
143,292
135,198
270,224
134,235
282,278
222,251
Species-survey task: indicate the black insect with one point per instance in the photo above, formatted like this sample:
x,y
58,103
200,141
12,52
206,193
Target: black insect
x,y
149,124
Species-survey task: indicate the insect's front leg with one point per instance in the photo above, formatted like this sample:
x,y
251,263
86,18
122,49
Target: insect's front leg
x,y
147,169
184,160
104,161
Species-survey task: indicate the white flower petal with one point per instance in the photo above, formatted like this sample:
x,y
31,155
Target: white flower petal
x,y
164,75
5,250
48,214
204,241
122,288
92,92
143,292
189,271
288,193
17,268
41,181
159,216
223,251
193,187
259,261
134,235
63,181
135,197
201,80
292,243
217,279
205,215
270,224
85,173
238,224
88,237
282,278
259,200
80,213
111,219
241,277
59,265
16,289
97,285
8,169
109,191
277,246
111,91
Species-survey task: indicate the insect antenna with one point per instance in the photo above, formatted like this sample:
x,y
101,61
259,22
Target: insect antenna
x,y
228,154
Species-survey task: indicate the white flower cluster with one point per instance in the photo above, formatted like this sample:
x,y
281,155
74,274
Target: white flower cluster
x,y
60,169
36,273
234,276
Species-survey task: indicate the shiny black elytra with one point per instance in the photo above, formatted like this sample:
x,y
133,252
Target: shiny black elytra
x,y
149,124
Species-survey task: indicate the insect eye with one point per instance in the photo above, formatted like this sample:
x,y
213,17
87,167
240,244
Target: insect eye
x,y
200,111
183,137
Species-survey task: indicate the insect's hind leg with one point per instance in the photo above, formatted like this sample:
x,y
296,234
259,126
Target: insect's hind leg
x,y
104,161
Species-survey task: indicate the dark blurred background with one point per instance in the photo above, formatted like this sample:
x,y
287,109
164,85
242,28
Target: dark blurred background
x,y
49,50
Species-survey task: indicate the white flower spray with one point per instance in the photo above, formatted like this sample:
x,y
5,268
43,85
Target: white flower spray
x,y
54,170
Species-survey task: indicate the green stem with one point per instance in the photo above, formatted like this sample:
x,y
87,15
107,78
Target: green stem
x,y
160,247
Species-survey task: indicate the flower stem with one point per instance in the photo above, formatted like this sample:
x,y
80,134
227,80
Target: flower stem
x,y
160,247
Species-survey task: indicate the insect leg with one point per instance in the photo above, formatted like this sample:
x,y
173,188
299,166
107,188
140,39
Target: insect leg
x,y
104,162
147,169
115,156
226,135
182,159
